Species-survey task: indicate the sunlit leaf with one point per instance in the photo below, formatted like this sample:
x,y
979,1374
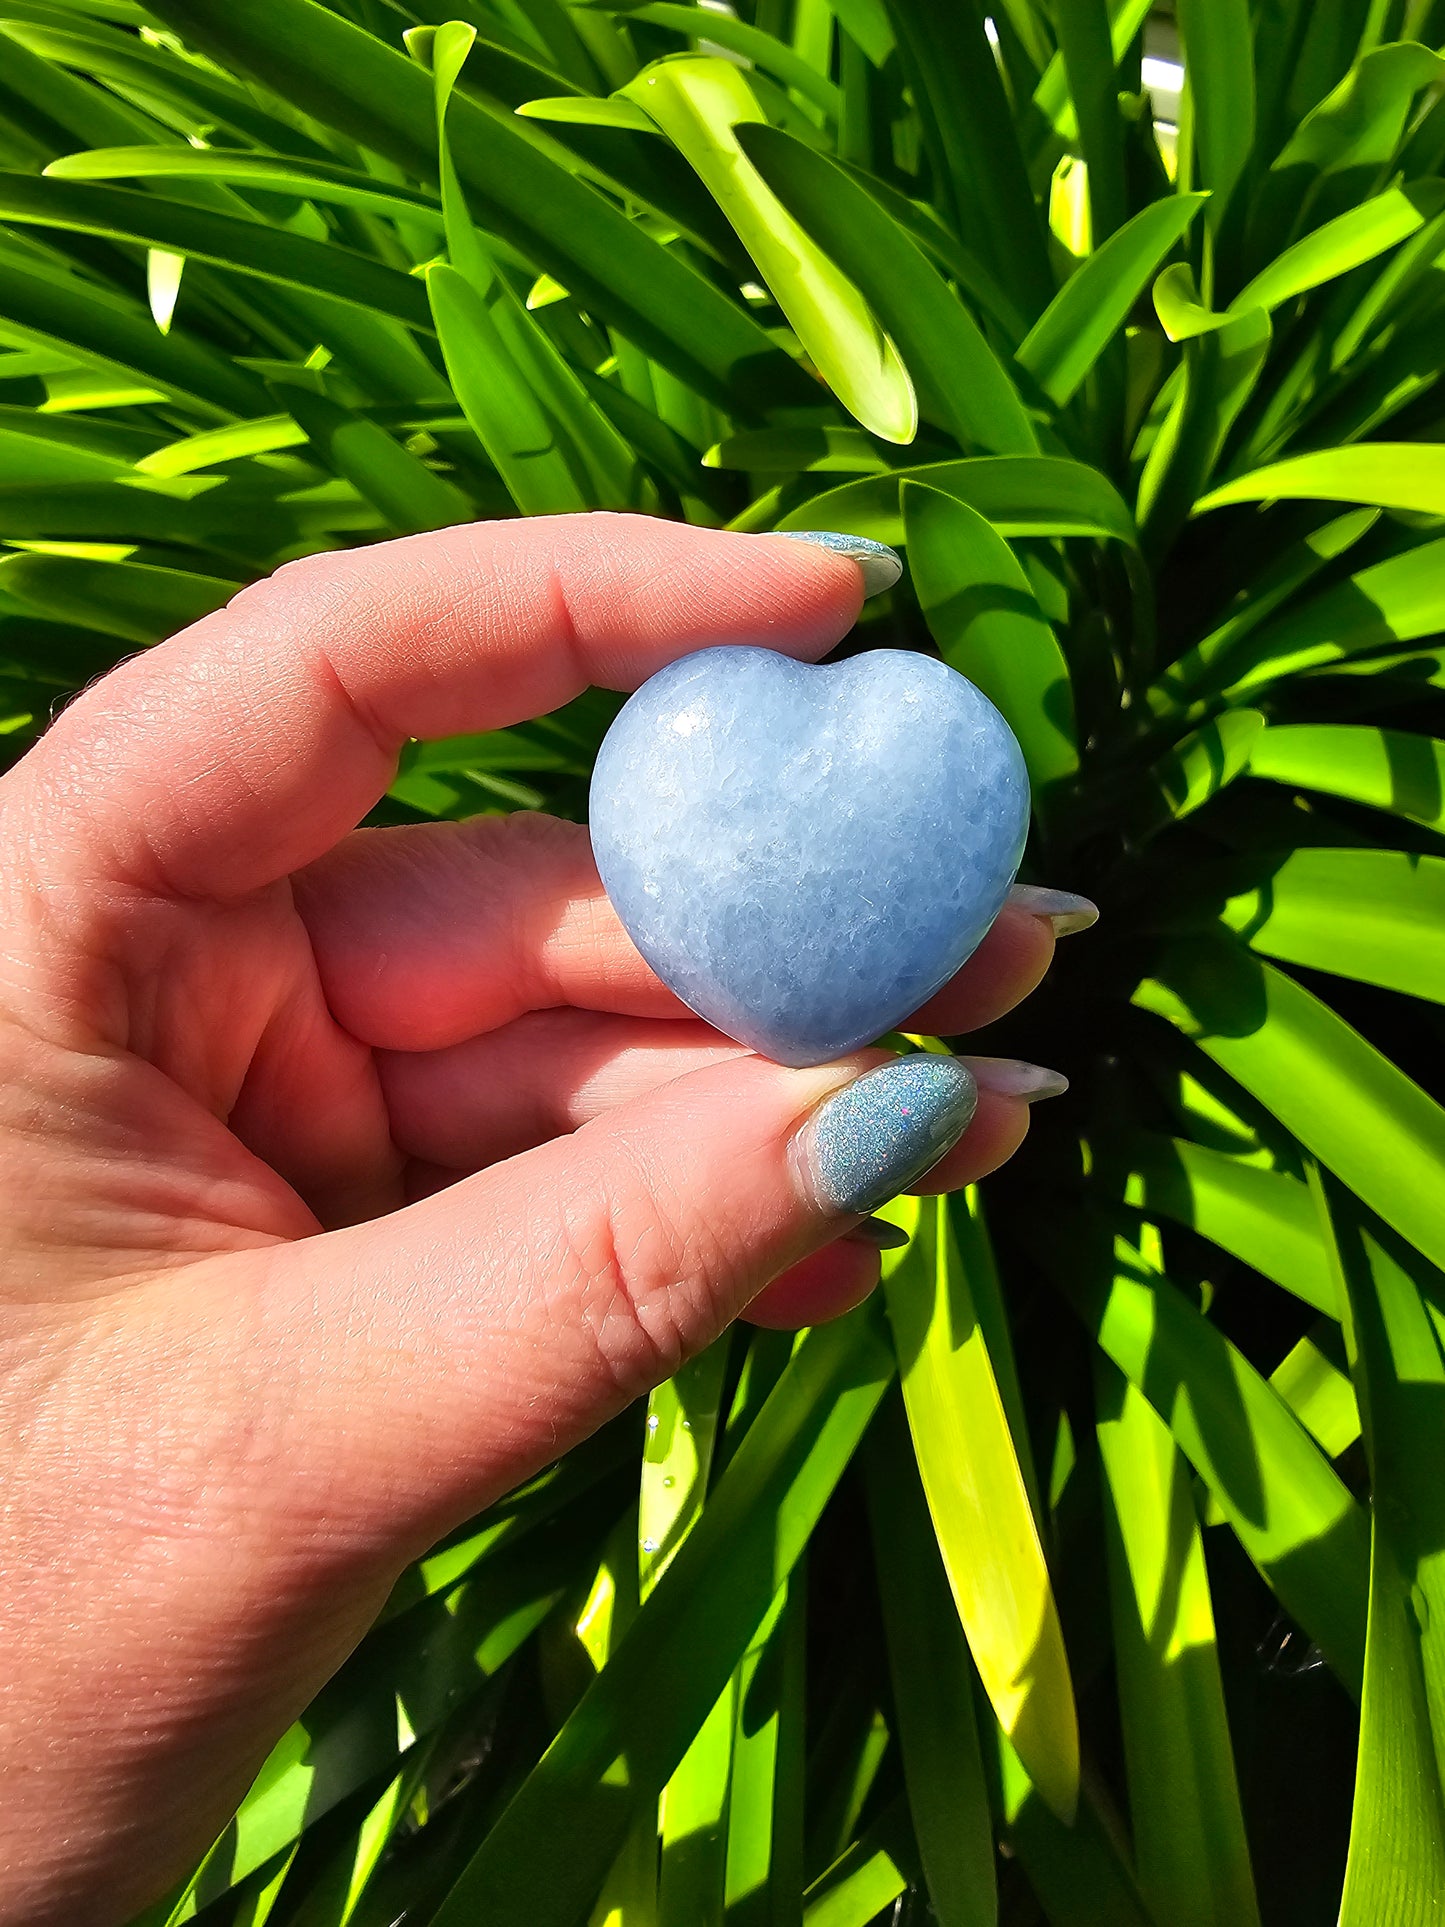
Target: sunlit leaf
x,y
1363,1118
1189,1837
980,1505
1390,769
1395,1327
987,624
698,103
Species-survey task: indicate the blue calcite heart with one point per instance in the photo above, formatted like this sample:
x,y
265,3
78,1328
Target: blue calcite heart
x,y
804,853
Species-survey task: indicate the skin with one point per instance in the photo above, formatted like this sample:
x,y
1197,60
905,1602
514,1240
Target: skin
x,y
349,1177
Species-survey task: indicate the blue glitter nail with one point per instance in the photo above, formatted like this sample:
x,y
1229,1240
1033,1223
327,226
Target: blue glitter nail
x,y
881,565
867,1143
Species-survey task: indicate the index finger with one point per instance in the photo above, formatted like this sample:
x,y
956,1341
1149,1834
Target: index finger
x,y
246,746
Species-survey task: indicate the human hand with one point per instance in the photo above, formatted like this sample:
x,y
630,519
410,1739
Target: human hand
x,y
349,1177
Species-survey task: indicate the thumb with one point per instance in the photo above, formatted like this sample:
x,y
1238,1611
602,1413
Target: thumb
x,y
486,1329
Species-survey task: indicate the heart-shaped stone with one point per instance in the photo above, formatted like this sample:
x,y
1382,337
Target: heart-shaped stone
x,y
806,853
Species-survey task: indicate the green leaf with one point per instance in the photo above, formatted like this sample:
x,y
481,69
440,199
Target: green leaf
x,y
582,110
1318,1393
1396,1869
634,1723
1189,1837
1219,79
1354,129
964,120
1394,601
1019,494
131,600
1221,367
402,489
118,335
404,1681
868,1877
1081,1872
763,50
932,1685
1182,315
682,1422
33,459
987,623
962,384
1098,298
1350,239
316,180
1264,1217
1053,106
1209,665
979,1502
1363,1118
1208,759
846,451
764,1868
867,22
599,460
351,81
1082,27
1389,769
698,103
1281,1496
322,267
1390,475
1375,915
504,412
212,447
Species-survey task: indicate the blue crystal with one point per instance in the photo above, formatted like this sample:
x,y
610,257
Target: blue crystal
x,y
805,853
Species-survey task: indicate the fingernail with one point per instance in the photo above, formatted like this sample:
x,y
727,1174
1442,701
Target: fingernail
x,y
1011,1077
881,565
878,1233
1065,911
870,1140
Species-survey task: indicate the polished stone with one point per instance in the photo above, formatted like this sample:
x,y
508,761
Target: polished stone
x,y
805,853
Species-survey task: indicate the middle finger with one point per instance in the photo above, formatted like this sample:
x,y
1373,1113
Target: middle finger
x,y
428,935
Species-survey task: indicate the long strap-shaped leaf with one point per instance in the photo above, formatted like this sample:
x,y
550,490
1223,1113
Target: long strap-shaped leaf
x,y
698,103
1209,666
551,445
1390,769
966,123
933,1685
1019,494
352,81
1189,1839
984,617
134,600
1388,475
1395,1327
1364,1119
1098,298
979,1502
1375,915
1264,1217
1287,1505
1219,77
677,1455
252,246
963,385
101,328
634,1723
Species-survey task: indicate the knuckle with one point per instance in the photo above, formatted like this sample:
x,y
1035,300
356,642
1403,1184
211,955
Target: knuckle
x,y
646,1286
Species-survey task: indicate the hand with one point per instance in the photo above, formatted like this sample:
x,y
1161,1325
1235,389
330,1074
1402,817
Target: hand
x,y
349,1177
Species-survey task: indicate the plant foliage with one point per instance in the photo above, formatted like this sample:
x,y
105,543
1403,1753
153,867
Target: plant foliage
x,y
1094,1572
